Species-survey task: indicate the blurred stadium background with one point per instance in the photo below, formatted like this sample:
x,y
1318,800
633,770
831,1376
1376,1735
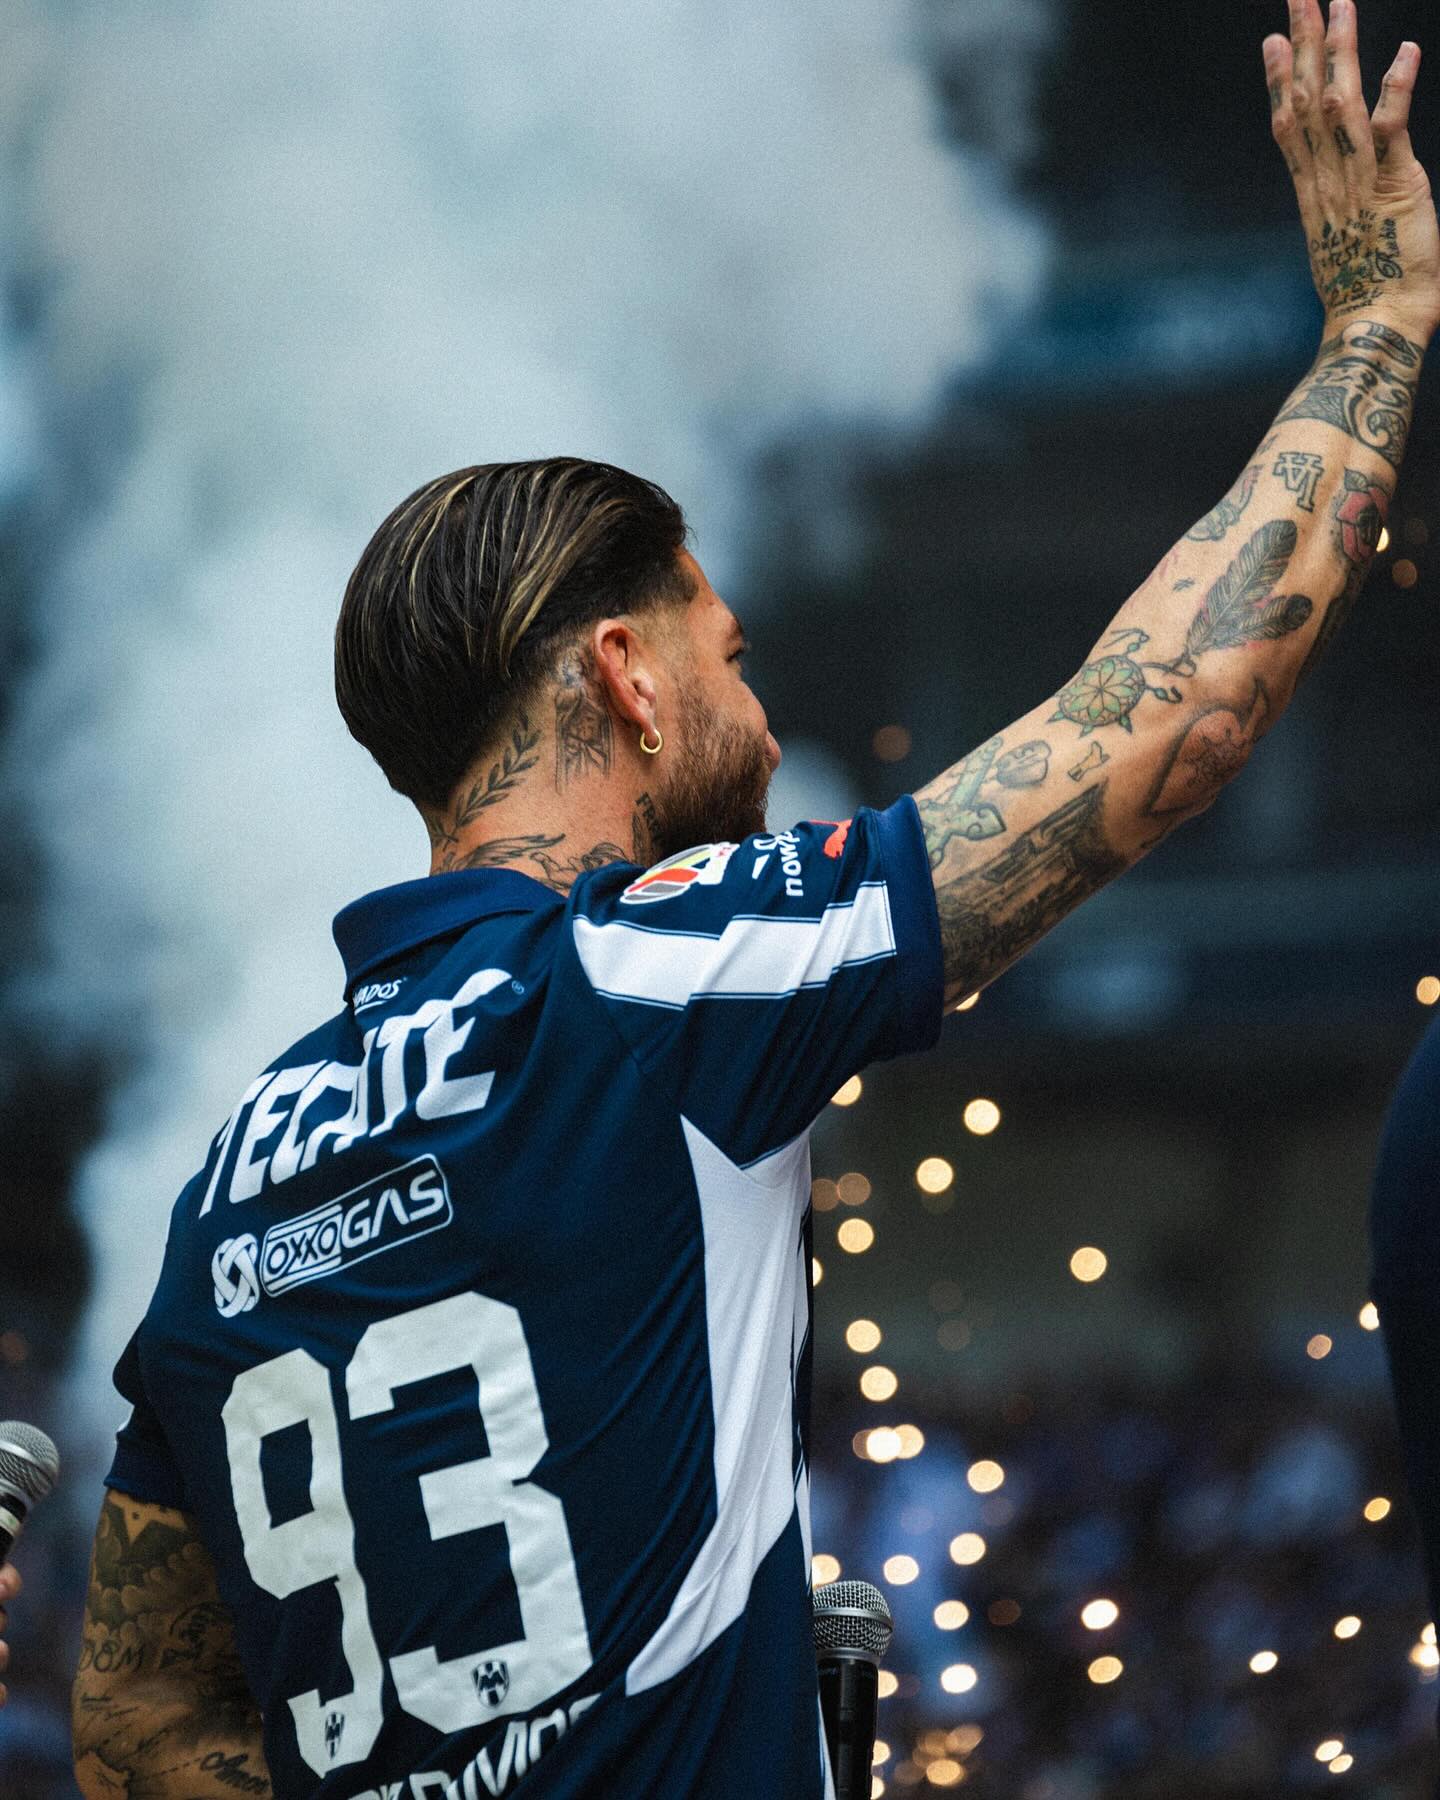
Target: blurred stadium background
x,y
943,318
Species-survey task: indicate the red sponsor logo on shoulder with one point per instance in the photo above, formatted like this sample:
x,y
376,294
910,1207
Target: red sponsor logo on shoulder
x,y
835,843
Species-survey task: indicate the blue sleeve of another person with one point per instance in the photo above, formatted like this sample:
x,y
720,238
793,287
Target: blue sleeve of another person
x,y
750,980
1405,1282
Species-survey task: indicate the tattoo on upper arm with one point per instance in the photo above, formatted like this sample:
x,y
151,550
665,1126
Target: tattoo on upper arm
x,y
992,912
161,1703
1220,519
584,741
952,808
1364,386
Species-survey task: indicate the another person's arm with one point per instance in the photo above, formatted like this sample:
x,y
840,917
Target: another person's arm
x,y
160,1710
1201,661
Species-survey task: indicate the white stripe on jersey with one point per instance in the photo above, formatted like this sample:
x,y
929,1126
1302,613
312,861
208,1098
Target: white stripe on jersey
x,y
750,1275
752,958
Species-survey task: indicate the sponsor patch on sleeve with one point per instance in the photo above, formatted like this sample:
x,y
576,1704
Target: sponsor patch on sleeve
x,y
704,867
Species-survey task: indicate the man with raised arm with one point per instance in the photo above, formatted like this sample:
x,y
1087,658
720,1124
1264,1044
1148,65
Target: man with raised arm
x,y
468,1446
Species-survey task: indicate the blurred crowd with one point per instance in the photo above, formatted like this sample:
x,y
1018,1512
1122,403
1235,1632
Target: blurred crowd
x,y
1263,1604
1164,1592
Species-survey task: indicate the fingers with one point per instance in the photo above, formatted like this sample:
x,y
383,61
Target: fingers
x,y
1343,113
1390,121
1279,74
10,1585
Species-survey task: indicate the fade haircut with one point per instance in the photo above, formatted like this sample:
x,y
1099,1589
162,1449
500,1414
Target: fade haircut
x,y
459,607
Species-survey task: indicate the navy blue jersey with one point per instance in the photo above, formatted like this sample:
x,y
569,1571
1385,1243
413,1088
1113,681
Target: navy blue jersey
x,y
480,1349
1405,1282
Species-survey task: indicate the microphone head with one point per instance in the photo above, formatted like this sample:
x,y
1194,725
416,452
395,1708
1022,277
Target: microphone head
x,y
29,1461
850,1618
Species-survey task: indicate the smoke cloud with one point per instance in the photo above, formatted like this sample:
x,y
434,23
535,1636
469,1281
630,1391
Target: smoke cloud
x,y
293,260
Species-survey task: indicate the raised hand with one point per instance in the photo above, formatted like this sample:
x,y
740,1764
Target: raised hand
x,y
1365,200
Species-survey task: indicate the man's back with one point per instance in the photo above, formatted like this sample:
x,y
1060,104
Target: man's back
x,y
480,1351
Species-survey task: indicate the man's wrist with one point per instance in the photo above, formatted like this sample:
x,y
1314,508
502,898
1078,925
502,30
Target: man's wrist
x,y
1381,328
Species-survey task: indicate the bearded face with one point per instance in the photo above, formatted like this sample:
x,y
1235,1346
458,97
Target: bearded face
x,y
715,782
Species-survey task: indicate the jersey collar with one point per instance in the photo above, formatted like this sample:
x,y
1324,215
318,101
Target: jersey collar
x,y
378,927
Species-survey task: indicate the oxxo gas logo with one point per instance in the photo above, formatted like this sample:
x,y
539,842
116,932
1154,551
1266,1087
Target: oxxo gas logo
x,y
704,867
394,1209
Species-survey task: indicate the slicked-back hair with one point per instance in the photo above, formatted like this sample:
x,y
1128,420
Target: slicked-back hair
x,y
459,606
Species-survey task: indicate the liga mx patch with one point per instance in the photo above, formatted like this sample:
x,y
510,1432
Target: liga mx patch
x,y
394,1209
704,867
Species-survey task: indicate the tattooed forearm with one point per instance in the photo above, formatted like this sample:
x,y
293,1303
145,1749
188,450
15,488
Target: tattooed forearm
x,y
1358,517
1363,384
161,1710
991,912
583,736
1302,474
1212,749
1220,519
952,808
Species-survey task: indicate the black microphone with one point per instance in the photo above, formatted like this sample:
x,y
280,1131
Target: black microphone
x,y
29,1469
852,1628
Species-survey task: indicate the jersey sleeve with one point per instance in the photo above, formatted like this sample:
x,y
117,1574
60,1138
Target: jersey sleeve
x,y
144,1466
753,979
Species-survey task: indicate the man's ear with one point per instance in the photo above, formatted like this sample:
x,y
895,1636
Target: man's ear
x,y
627,664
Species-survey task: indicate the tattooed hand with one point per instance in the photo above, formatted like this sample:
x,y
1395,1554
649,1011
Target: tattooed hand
x,y
9,1588
1365,200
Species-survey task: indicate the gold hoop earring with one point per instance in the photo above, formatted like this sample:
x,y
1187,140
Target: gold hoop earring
x,y
655,748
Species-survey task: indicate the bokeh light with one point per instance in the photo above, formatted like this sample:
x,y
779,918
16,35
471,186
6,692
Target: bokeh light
x,y
1377,1509
853,1189
1427,989
1319,1347
1328,1749
967,1548
891,743
970,1000
1347,1627
1088,1263
856,1236
824,1568
817,1271
1105,1669
950,1615
944,1772
1099,1615
878,1383
981,1117
882,1445
1341,1763
1369,1316
862,1335
887,1684
899,1571
985,1476
934,1175
848,1092
959,1678
1263,1661
911,1439
824,1195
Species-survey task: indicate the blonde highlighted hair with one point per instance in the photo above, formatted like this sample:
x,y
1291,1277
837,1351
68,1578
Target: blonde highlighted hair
x,y
458,607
